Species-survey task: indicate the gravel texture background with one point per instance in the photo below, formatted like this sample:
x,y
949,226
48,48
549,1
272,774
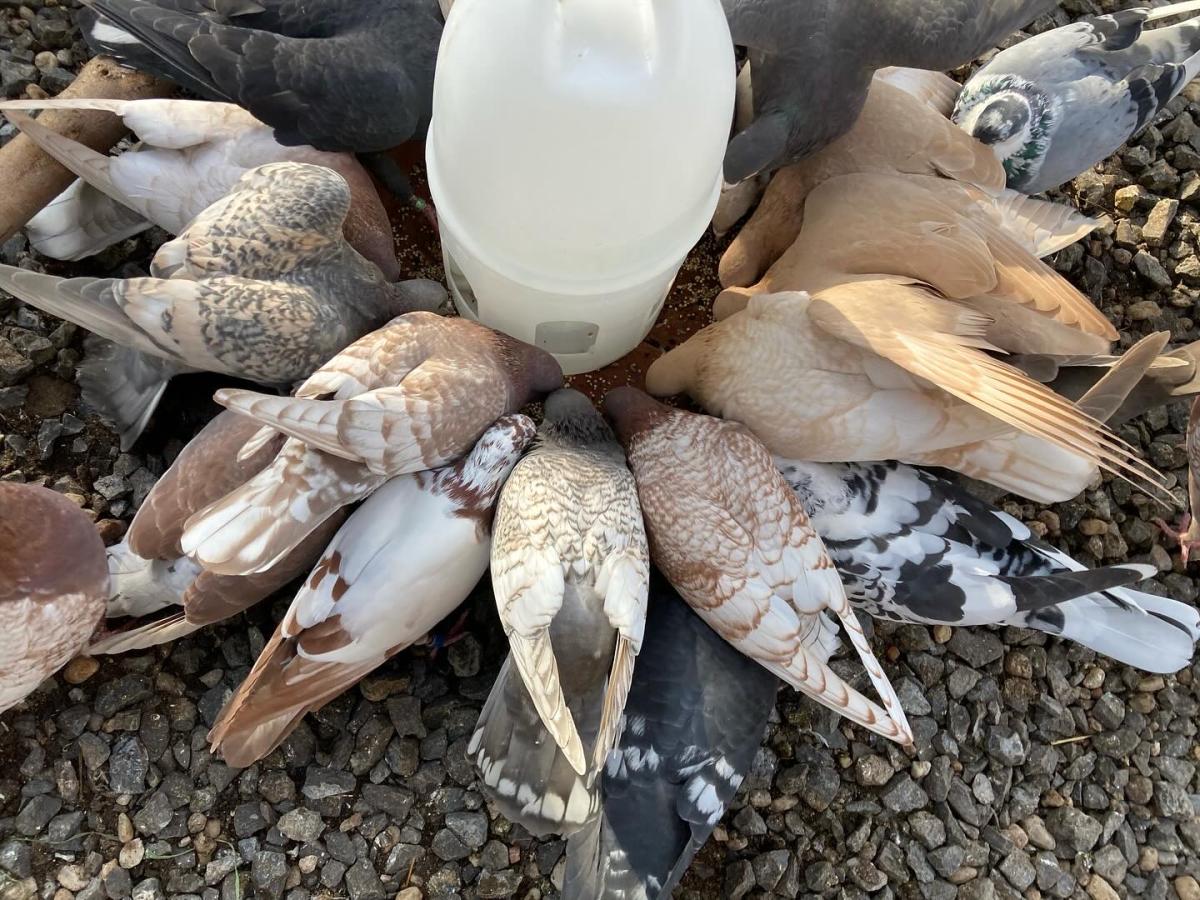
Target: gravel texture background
x,y
1043,771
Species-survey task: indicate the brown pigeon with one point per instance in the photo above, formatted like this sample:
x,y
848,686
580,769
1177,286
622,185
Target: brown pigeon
x,y
729,534
414,395
53,584
149,570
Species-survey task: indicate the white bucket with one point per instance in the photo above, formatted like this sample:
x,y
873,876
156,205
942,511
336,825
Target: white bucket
x,y
574,159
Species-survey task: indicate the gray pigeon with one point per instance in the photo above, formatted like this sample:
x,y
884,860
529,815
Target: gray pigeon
x,y
1057,104
261,285
813,61
571,573
338,74
695,718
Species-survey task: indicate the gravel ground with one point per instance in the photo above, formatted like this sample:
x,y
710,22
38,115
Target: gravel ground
x,y
1043,771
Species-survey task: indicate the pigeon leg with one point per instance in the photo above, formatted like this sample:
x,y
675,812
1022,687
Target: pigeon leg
x,y
1187,535
397,182
456,633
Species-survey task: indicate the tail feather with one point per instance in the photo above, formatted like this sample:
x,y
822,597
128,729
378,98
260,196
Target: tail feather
x,y
524,773
1044,227
252,529
141,637
92,167
124,386
1155,634
80,222
90,303
141,587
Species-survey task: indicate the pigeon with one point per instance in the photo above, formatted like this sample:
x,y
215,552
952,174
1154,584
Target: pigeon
x,y
813,62
341,75
828,378
896,133
403,561
935,90
260,286
416,394
912,546
1056,104
191,154
956,239
1188,533
149,570
695,718
730,535
571,573
53,586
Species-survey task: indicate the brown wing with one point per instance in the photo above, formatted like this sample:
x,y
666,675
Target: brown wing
x,y
207,469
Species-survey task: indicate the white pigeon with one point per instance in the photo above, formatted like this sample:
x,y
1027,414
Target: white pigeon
x,y
401,563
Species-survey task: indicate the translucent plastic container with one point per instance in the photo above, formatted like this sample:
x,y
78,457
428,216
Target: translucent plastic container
x,y
574,159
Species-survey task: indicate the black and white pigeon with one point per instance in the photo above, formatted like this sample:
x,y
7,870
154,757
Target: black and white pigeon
x,y
1053,106
695,718
339,74
571,573
912,546
813,62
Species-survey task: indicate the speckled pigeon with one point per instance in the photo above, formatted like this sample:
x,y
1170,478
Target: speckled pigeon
x,y
190,154
261,285
813,62
1062,101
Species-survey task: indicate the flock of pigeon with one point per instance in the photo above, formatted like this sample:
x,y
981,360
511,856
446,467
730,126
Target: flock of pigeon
x,y
885,301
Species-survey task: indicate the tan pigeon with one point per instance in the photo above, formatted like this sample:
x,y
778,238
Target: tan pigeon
x,y
896,133
53,584
150,572
191,154
729,534
402,562
952,237
831,378
262,286
414,395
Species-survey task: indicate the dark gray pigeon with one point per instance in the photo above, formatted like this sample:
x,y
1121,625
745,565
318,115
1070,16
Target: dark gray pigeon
x,y
912,546
1057,104
812,62
695,719
338,74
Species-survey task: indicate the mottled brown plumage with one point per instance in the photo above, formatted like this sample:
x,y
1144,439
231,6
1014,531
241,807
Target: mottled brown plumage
x,y
53,584
415,395
261,285
731,537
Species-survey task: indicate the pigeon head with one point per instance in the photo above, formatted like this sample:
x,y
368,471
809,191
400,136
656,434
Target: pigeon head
x,y
1013,117
572,420
417,294
1003,122
475,480
531,371
632,412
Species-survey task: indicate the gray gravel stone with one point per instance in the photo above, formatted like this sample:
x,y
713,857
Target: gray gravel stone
x,y
362,883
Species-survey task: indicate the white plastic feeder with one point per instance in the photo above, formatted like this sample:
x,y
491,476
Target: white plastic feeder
x,y
574,159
